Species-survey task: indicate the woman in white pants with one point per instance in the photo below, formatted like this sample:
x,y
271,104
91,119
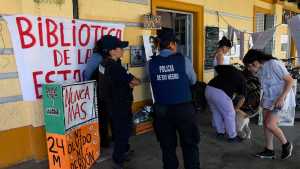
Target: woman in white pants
x,y
219,93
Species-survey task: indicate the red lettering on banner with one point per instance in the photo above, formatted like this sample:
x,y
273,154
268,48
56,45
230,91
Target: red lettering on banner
x,y
62,36
58,58
36,84
79,57
68,97
46,35
88,54
77,76
75,100
66,57
74,32
61,58
83,111
87,93
64,73
77,111
25,33
51,32
102,30
97,29
88,34
111,31
47,77
119,33
40,29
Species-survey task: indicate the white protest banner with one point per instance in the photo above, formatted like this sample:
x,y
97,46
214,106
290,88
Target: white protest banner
x,y
294,26
53,49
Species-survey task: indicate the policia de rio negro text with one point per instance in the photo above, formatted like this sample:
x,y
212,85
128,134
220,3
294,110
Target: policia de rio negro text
x,y
171,75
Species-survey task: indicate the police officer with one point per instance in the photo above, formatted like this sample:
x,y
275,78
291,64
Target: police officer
x,y
95,71
116,90
171,76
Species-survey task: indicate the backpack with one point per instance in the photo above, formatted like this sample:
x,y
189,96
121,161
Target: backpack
x,y
198,95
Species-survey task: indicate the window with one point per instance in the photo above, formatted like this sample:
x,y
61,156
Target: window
x,y
284,41
284,47
211,40
260,22
265,22
269,24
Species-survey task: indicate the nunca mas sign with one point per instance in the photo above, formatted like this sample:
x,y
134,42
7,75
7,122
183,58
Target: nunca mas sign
x,y
53,49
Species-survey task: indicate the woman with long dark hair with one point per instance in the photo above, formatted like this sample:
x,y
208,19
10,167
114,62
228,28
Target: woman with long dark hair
x,y
277,85
224,45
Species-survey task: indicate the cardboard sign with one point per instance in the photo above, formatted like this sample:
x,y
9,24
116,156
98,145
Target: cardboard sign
x,y
69,105
77,149
71,124
78,104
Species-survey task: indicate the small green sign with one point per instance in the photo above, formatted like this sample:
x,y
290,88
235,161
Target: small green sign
x,y
53,108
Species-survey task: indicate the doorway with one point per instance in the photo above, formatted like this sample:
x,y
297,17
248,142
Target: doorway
x,y
193,39
182,24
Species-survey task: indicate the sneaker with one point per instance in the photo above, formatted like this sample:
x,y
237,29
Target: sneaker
x,y
220,136
266,154
236,139
286,151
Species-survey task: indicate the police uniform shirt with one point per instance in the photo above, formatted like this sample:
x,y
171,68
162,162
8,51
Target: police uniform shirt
x,y
117,81
171,76
189,69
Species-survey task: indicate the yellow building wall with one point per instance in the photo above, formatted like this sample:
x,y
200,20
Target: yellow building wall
x,y
22,136
263,4
123,12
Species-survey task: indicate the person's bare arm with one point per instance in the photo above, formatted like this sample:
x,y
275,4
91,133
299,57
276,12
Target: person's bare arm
x,y
240,103
220,58
135,82
288,84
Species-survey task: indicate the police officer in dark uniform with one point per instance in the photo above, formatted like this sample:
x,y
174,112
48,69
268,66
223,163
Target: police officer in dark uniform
x,y
116,88
95,71
171,76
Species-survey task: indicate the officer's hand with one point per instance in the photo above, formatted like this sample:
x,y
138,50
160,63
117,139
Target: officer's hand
x,y
135,82
131,85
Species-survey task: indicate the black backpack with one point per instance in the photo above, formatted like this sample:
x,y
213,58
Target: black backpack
x,y
198,95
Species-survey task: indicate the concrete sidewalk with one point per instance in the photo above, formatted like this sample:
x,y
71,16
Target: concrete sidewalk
x,y
214,154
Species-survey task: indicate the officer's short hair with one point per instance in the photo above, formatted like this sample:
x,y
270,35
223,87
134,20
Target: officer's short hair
x,y
165,36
